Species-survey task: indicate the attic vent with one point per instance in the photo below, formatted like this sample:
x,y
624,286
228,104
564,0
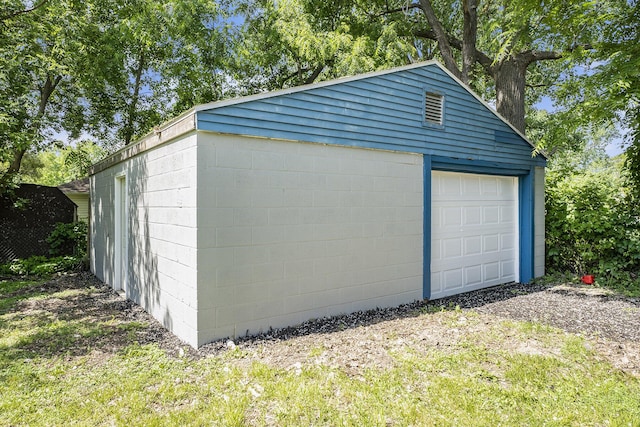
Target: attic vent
x,y
433,108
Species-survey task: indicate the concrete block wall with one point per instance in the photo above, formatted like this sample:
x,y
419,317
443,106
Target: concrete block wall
x,y
539,223
161,186
291,231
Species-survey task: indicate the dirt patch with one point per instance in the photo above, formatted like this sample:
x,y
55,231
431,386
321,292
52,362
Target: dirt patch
x,y
611,324
576,309
371,339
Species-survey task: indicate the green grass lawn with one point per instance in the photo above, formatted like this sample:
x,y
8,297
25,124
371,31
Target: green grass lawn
x,y
46,379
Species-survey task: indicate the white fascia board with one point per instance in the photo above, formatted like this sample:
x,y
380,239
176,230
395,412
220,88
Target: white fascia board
x,y
169,130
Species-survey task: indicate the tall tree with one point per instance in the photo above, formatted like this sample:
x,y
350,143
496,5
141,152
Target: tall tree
x,y
505,39
111,69
38,55
496,42
157,59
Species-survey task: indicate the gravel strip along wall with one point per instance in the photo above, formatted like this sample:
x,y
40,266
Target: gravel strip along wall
x,y
361,339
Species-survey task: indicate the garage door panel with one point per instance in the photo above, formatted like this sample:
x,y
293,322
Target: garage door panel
x,y
491,271
460,280
472,245
470,231
491,243
507,241
470,187
474,232
489,186
472,216
464,262
451,216
491,215
436,283
452,248
508,269
473,275
451,186
452,279
507,215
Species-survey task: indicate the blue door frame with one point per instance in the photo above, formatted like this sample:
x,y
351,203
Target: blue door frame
x,y
525,208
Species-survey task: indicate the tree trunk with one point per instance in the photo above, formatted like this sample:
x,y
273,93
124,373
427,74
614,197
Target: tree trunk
x,y
46,91
469,37
510,77
14,166
129,125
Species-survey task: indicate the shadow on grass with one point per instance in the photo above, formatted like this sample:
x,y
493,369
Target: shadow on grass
x,y
69,315
76,314
14,291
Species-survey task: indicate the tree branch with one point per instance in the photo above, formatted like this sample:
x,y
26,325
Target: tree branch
x,y
482,58
469,37
316,72
531,56
131,110
296,73
399,9
45,93
441,37
22,12
531,86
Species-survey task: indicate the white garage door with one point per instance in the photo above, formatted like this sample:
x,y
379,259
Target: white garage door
x,y
474,232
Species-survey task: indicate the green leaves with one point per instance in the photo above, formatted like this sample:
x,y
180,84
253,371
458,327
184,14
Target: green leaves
x,y
57,166
293,42
608,92
68,238
35,73
108,69
592,225
158,59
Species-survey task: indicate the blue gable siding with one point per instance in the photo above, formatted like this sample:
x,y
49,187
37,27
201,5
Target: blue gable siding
x,y
384,111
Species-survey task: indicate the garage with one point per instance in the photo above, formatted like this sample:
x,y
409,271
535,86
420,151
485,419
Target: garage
x,y
474,232
267,210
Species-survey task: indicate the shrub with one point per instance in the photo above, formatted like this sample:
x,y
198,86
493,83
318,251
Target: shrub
x,y
41,266
68,238
592,227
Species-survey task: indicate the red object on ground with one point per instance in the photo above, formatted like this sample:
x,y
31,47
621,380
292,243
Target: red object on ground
x,y
588,279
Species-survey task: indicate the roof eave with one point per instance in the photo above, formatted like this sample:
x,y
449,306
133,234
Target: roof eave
x,y
475,95
187,121
169,130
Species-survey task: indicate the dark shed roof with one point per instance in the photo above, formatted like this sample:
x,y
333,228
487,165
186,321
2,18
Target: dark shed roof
x,y
77,186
